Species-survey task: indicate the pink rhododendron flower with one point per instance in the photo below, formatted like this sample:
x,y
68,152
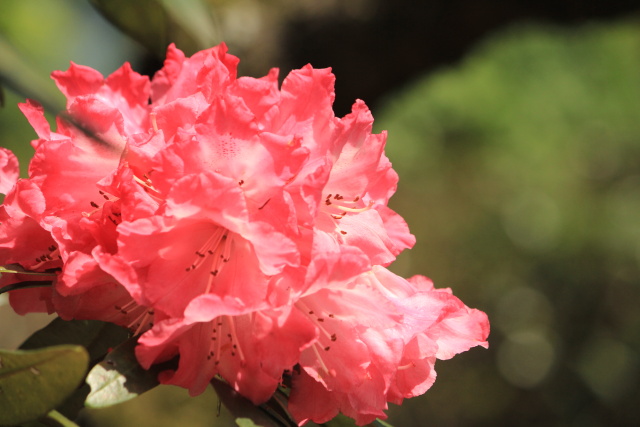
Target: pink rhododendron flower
x,y
236,224
8,170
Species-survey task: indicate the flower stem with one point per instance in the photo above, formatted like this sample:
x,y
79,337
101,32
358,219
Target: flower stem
x,y
59,420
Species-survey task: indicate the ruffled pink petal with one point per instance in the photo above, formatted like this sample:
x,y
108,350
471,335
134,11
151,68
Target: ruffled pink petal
x,y
259,95
305,107
397,230
208,71
34,113
165,78
32,300
249,350
311,401
22,238
67,176
9,170
189,258
78,80
129,93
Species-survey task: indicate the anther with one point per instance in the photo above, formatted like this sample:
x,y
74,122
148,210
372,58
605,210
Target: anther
x,y
264,204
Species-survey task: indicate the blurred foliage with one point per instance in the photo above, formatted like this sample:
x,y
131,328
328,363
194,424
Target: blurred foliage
x,y
187,23
35,382
39,37
520,176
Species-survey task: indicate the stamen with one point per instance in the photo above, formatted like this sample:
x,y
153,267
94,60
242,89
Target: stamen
x,y
321,361
154,122
234,337
142,318
54,253
264,204
409,366
354,210
305,309
126,307
148,187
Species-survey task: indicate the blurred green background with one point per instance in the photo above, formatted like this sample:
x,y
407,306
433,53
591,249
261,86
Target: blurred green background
x,y
517,139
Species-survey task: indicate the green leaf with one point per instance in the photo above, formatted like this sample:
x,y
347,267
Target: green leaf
x,y
246,413
119,377
196,18
344,421
246,422
25,79
96,336
33,382
161,27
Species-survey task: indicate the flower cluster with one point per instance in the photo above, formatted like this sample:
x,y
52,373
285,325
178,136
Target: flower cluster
x,y
235,224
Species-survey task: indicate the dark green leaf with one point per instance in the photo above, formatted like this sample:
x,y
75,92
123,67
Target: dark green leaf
x,y
246,413
119,377
33,382
149,23
96,336
344,421
196,18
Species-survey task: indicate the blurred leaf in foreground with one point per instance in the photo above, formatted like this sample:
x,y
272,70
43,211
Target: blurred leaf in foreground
x,y
157,23
34,382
